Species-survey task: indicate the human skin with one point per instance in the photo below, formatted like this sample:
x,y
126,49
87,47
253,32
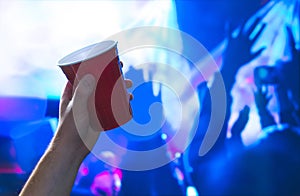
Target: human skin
x,y
56,171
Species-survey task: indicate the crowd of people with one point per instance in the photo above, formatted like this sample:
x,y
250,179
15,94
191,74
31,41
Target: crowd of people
x,y
270,165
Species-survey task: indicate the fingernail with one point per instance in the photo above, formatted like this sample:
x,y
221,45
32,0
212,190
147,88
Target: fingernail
x,y
130,97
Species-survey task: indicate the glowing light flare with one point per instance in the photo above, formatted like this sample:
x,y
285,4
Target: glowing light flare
x,y
275,39
191,191
37,34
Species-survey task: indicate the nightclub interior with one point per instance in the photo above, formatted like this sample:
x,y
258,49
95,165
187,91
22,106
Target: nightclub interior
x,y
216,95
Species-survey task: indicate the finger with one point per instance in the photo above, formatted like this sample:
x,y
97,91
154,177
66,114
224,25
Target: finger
x,y
257,53
66,97
291,39
252,27
265,92
128,83
259,91
268,98
228,30
267,9
242,29
259,33
242,120
81,95
84,88
246,110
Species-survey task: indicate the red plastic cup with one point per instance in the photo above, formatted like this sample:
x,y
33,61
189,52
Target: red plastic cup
x,y
111,100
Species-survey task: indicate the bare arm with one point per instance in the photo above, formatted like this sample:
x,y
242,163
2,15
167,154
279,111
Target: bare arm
x,y
57,169
55,173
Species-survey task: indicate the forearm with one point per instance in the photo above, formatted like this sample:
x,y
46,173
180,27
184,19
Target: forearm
x,y
228,79
55,172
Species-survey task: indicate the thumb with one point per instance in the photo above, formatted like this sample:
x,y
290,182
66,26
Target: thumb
x,y
257,53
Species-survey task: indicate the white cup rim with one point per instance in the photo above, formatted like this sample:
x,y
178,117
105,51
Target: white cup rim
x,y
87,53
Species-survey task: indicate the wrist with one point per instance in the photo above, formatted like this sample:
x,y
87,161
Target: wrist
x,y
263,111
67,153
69,147
228,78
230,67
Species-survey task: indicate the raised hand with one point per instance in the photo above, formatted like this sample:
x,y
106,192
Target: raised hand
x,y
240,123
238,50
56,171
